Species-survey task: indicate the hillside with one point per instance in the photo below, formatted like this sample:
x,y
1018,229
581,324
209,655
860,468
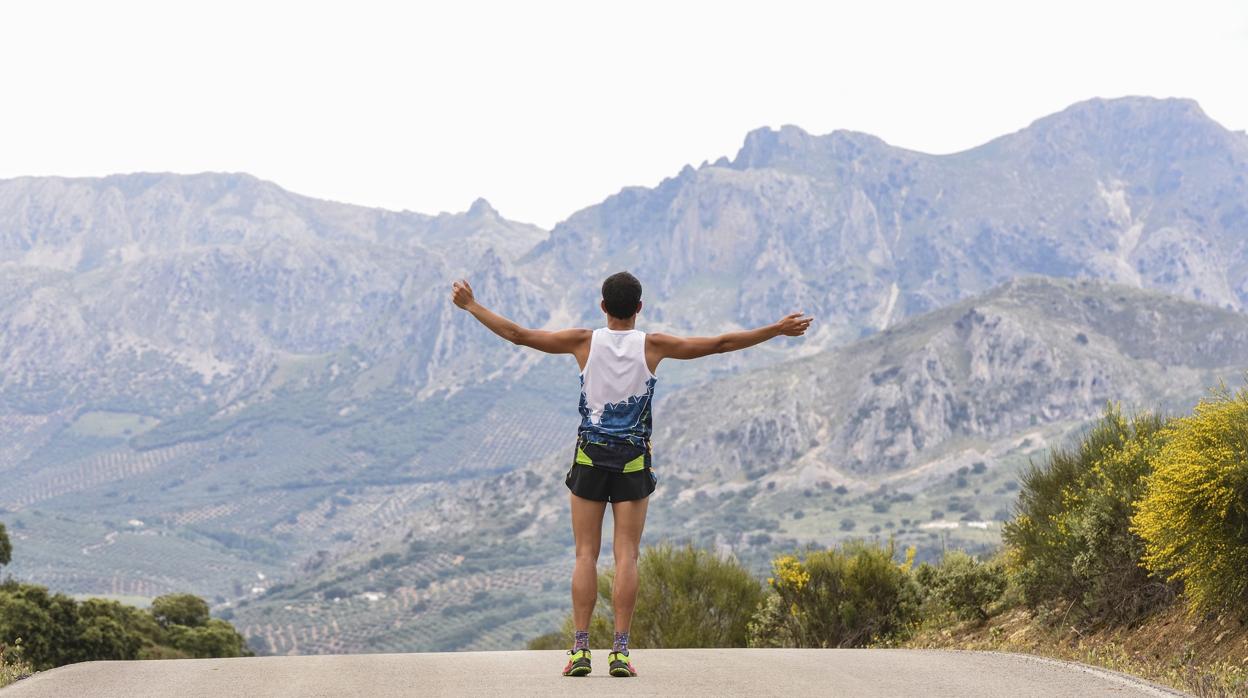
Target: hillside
x,y
161,292
480,569
1206,656
1033,352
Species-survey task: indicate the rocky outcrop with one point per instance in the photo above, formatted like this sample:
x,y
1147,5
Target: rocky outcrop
x,y
1034,352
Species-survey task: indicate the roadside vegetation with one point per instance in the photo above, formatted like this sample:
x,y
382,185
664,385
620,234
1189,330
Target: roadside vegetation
x,y
686,597
40,630
1128,549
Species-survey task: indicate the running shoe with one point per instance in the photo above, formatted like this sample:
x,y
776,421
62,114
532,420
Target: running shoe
x,y
620,666
578,663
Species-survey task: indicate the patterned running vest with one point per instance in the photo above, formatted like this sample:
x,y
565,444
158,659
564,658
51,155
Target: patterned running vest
x,y
616,390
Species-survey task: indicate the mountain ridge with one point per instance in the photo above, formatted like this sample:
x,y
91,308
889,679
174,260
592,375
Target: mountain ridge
x,y
269,382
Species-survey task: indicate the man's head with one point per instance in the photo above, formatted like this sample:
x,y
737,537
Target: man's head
x,y
621,295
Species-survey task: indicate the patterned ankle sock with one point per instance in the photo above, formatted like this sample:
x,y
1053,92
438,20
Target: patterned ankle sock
x,y
580,640
621,643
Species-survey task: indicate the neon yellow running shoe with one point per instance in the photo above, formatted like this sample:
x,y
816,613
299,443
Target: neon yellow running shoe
x,y
620,666
578,663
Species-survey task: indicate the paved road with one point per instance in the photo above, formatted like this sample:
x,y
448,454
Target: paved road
x,y
753,672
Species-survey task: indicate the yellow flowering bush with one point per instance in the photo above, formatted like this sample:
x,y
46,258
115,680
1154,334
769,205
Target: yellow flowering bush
x,y
1193,516
790,572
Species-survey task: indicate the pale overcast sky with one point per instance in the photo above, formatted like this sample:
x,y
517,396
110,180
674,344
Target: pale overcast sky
x,y
546,107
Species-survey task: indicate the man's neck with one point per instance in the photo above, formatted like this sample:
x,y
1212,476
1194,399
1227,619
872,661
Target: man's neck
x,y
618,324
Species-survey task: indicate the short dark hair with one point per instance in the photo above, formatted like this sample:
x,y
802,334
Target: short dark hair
x,y
621,294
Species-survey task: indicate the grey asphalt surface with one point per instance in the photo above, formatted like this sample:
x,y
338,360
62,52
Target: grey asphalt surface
x,y
692,672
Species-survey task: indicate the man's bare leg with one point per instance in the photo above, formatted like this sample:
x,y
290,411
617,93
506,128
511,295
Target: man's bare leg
x,y
587,533
630,519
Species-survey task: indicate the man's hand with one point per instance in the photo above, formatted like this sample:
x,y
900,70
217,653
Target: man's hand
x,y
794,325
461,294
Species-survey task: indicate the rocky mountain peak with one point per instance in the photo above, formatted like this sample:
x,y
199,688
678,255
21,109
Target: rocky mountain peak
x,y
481,208
1109,112
763,145
1131,130
766,147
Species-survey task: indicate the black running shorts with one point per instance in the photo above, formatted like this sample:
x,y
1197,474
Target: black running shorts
x,y
610,472
602,485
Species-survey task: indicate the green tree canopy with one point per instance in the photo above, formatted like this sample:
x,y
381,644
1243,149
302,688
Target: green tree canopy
x,y
54,629
46,623
215,638
180,609
6,547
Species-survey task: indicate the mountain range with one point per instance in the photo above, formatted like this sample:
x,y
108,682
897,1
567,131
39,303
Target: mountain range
x,y
208,383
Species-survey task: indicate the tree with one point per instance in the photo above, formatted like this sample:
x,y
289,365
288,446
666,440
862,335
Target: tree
x,y
102,637
54,629
215,638
112,630
46,623
180,609
6,547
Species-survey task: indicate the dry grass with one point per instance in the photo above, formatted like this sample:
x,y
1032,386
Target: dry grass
x,y
1205,656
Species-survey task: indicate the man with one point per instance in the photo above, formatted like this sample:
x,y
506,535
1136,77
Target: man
x,y
613,461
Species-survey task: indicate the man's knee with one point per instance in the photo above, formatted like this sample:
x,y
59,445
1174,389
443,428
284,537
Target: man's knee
x,y
587,555
627,555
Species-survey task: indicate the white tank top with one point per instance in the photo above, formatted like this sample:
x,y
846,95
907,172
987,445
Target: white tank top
x,y
617,387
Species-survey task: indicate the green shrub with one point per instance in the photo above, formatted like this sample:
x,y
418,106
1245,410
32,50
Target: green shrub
x,y
845,597
692,597
1194,515
686,597
962,585
1071,543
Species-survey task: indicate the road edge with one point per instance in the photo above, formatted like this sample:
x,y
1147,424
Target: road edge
x,y
1118,677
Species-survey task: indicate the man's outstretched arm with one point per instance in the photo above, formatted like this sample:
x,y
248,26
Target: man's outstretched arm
x,y
665,346
559,342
